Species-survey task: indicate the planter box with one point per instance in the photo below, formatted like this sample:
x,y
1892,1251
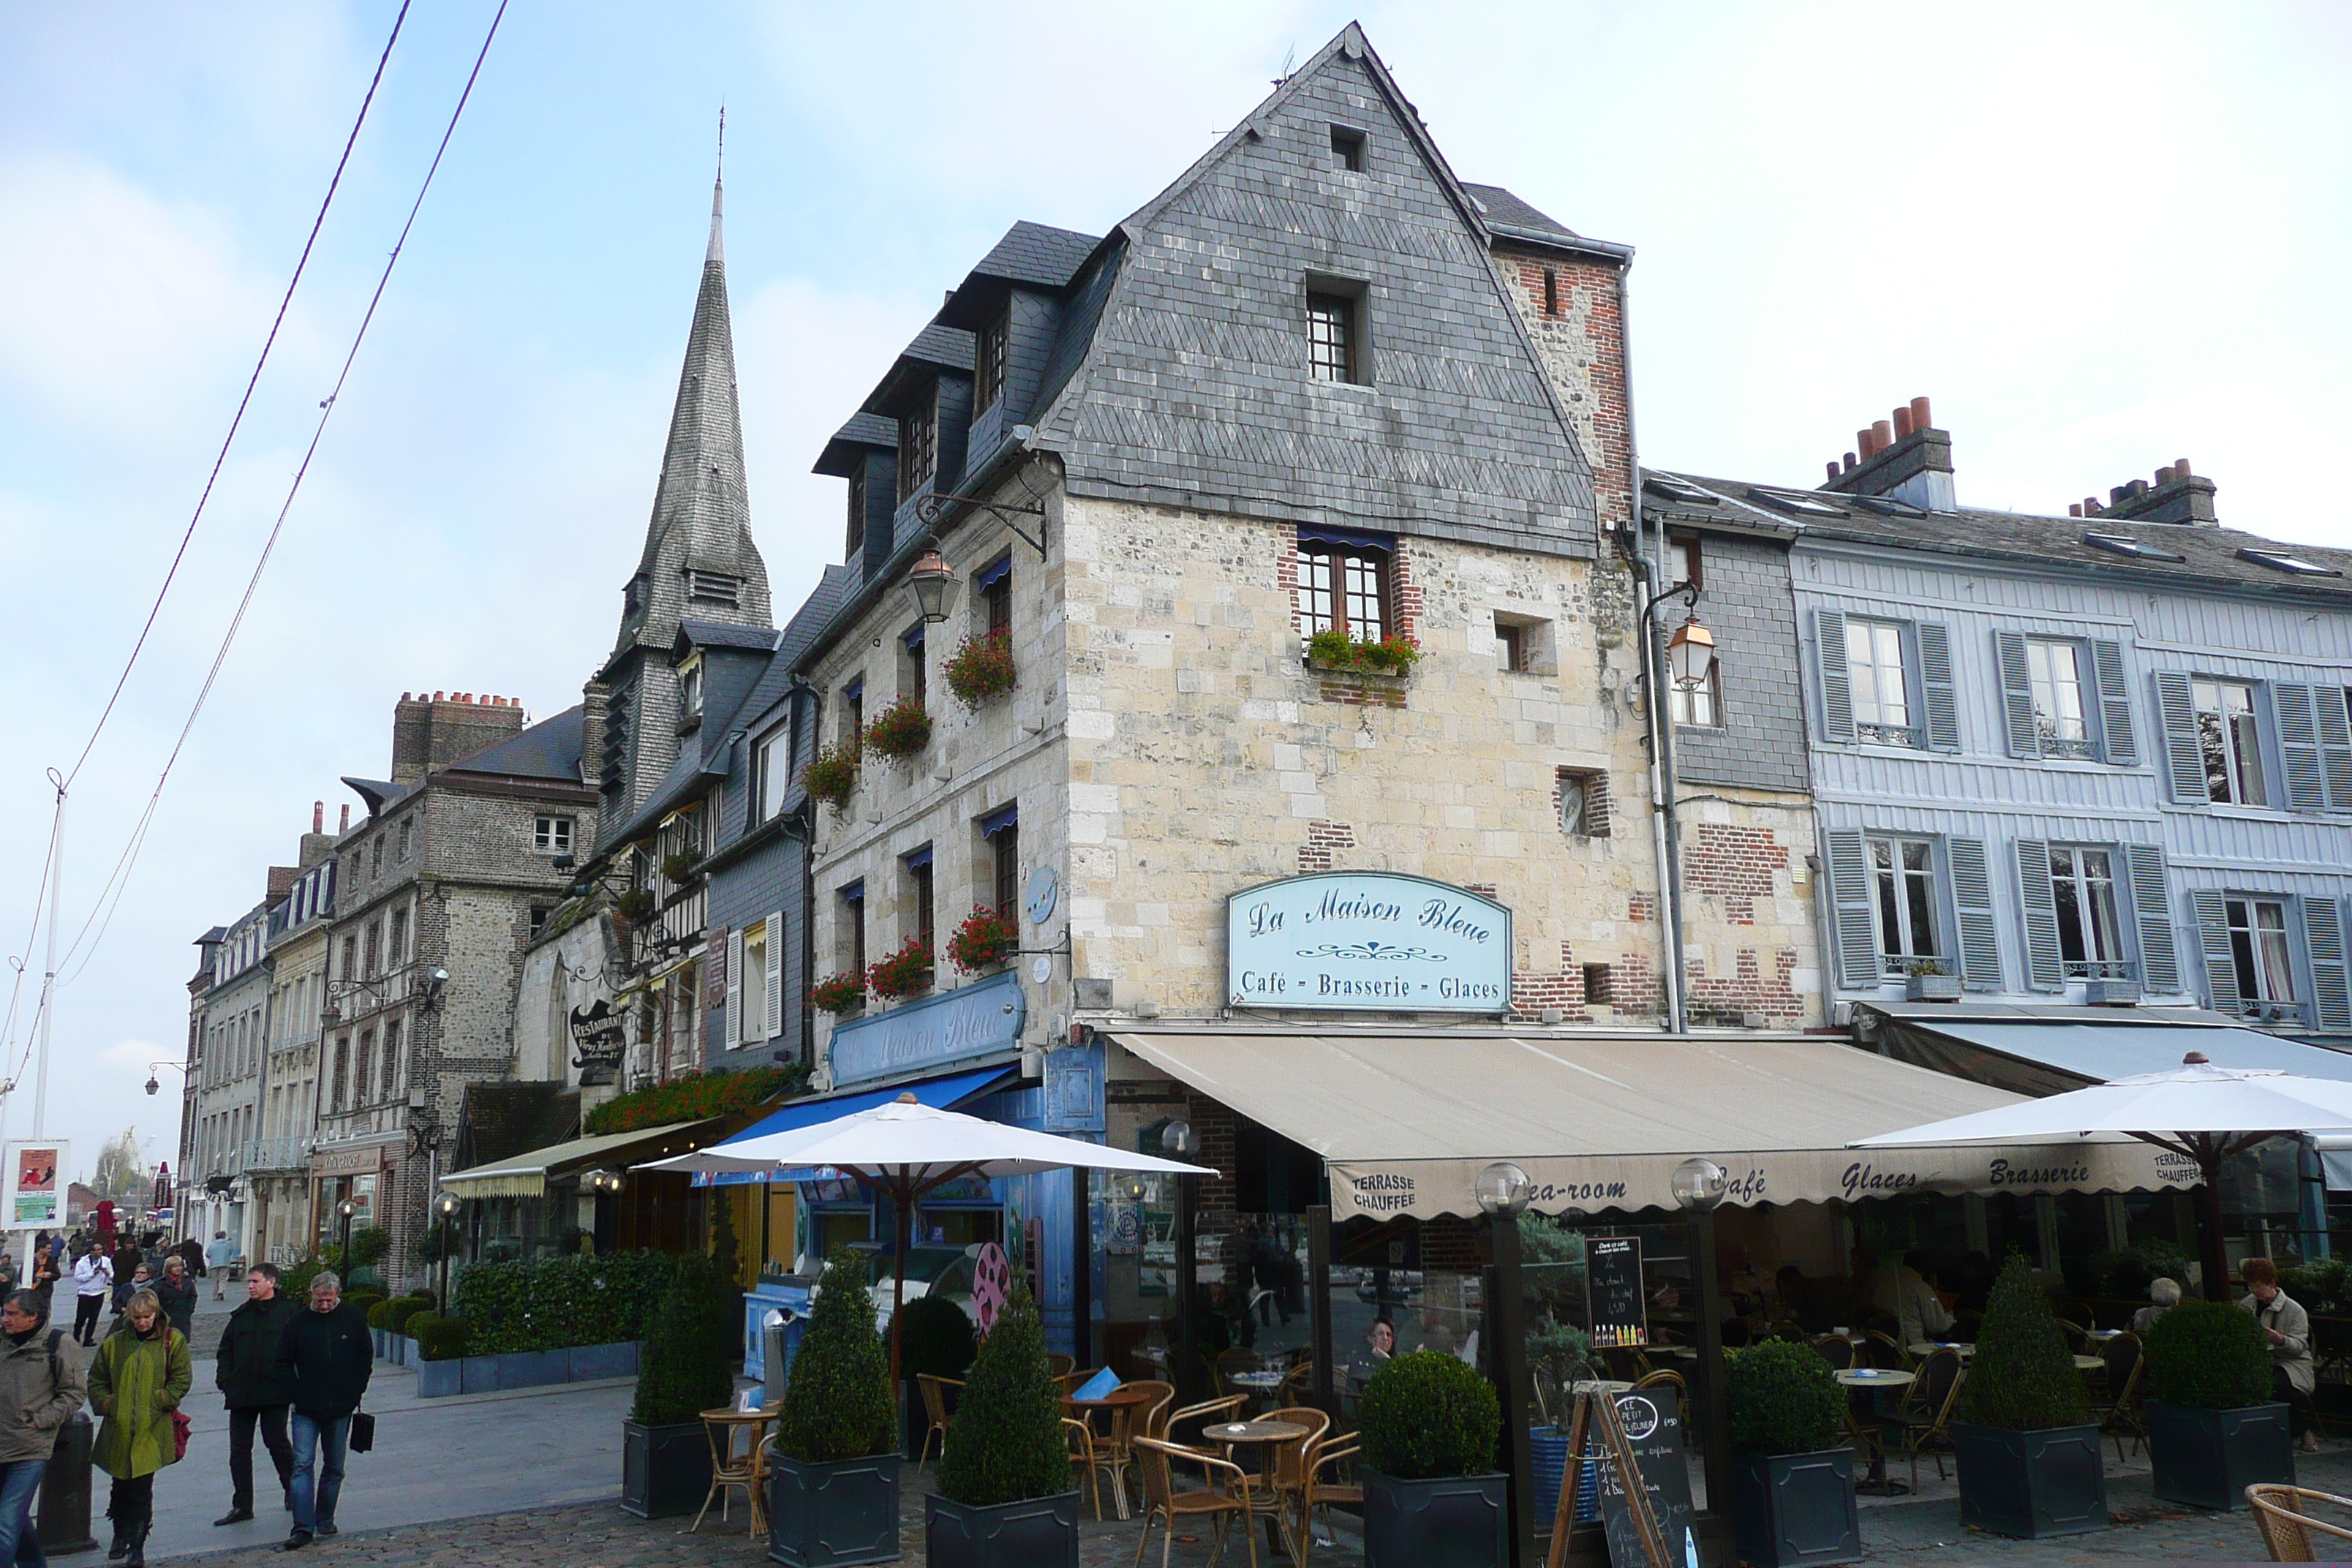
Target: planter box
x,y
381,1340
439,1379
1797,1508
664,1471
2209,1457
1459,1521
846,1511
1041,1533
2032,1484
1932,988
2111,993
525,1368
407,1354
589,1363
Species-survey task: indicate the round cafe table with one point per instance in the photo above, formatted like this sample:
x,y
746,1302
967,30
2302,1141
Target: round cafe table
x,y
2090,1364
1877,1381
1926,1348
722,1425
1122,1402
1269,1436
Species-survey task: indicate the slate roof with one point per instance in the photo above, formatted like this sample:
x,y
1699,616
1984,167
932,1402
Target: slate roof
x,y
1033,253
1503,212
948,348
711,634
549,749
378,793
2209,555
847,448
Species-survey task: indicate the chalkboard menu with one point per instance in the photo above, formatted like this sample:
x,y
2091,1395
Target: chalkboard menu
x,y
1614,1308
1653,1430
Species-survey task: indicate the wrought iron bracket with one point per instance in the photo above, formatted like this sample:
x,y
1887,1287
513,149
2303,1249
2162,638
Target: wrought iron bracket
x,y
931,507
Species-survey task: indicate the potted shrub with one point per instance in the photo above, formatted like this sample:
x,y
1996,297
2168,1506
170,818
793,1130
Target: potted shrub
x,y
900,730
832,775
832,1496
839,994
2213,1427
901,974
985,940
981,669
1795,1501
679,869
1432,1498
1929,981
2027,1451
934,1336
634,907
687,1368
1005,1498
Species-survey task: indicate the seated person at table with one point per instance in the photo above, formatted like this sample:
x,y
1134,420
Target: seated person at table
x,y
1913,1302
1379,1345
2163,1295
2288,1327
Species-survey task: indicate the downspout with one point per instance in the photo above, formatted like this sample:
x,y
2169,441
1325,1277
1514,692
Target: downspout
x,y
807,823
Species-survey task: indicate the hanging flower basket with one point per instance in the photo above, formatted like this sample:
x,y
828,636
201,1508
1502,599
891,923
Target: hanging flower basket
x,y
839,994
832,775
900,730
635,905
1335,649
981,669
903,972
985,940
679,869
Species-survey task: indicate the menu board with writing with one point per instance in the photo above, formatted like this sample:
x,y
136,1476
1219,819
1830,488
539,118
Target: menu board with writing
x,y
1615,1309
1653,1430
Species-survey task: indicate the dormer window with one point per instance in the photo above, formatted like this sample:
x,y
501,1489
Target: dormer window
x,y
988,361
1348,149
918,450
856,542
714,588
633,596
689,686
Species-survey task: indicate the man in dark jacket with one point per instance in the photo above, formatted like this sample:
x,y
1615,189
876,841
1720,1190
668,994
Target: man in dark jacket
x,y
326,1354
257,1393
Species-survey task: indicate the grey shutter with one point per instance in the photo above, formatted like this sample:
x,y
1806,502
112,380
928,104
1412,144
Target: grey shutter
x,y
731,1033
2335,745
2159,962
1857,925
2184,759
2323,935
1837,693
1936,686
1972,905
2213,931
774,992
2114,703
2017,695
2045,967
2298,732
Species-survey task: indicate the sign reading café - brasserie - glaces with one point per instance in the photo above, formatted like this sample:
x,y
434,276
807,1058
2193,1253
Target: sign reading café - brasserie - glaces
x,y
1367,940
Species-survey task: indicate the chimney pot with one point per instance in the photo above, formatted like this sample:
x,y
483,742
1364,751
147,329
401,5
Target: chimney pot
x,y
2181,469
345,825
404,697
1902,422
2076,510
1882,435
1920,418
1833,468
436,697
1849,462
2090,506
318,816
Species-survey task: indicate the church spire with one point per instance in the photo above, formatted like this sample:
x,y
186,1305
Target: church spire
x,y
717,251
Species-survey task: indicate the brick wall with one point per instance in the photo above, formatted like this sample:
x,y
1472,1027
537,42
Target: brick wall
x,y
1739,864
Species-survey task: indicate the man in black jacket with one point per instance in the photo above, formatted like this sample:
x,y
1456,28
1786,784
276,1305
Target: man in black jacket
x,y
326,1354
256,1394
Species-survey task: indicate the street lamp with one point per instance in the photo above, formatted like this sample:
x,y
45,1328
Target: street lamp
x,y
1699,1185
153,1068
1690,653
1502,1190
445,1208
347,1208
933,583
1684,661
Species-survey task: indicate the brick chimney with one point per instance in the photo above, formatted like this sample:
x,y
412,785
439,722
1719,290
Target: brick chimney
x,y
433,731
282,879
1904,458
317,844
2177,496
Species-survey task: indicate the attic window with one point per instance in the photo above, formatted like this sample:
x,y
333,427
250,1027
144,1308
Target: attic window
x,y
1333,352
2280,561
1789,500
1886,506
1348,149
1675,490
714,588
918,450
2125,544
988,361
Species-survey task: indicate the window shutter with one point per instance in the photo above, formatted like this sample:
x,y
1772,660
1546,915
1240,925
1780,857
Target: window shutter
x,y
2160,964
1972,904
2046,968
2114,703
2335,745
732,1033
1936,686
2323,933
2213,931
775,991
1857,926
2184,761
2017,695
1837,693
2298,732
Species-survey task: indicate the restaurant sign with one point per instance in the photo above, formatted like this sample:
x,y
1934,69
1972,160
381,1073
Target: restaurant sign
x,y
1361,941
965,1027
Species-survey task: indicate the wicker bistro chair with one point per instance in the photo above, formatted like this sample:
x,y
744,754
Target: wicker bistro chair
x,y
935,1409
1086,1464
1883,1349
1324,1465
2282,1513
1229,1408
1151,1420
731,1472
2120,1413
1224,1497
1060,1366
1837,1350
1667,1378
1290,1458
1924,1418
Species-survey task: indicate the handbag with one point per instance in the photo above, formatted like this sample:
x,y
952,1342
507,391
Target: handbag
x,y
362,1438
180,1426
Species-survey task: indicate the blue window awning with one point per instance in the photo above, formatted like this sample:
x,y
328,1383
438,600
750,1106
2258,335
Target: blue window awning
x,y
2102,1053
939,1093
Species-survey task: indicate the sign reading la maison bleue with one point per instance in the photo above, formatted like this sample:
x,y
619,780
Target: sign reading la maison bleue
x,y
1367,940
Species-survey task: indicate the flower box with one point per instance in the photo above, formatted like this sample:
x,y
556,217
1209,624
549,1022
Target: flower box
x,y
1932,988
1795,1508
1449,1521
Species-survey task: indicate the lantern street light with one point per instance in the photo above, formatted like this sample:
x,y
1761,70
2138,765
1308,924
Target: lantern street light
x,y
1682,662
933,583
153,1068
347,1208
1502,1190
1690,653
445,1209
1699,1185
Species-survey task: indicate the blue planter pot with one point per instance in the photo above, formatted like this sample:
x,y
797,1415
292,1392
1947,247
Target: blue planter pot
x,y
1797,1509
824,1516
2032,1484
590,1362
439,1379
2209,1457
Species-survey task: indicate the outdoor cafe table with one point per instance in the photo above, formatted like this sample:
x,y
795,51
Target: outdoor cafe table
x,y
1122,1402
1876,1379
1926,1348
722,1425
1270,1435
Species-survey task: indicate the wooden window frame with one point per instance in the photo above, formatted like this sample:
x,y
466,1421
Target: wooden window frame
x,y
1335,589
1334,337
991,347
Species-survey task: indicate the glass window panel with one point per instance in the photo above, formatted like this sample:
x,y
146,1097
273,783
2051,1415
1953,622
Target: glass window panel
x,y
1315,604
2277,961
2057,674
1366,617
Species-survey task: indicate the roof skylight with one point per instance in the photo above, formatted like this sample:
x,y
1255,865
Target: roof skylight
x,y
2125,544
1791,500
1675,490
2280,561
1887,506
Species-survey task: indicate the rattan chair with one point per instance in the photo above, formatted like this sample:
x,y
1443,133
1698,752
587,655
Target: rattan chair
x,y
1060,1366
731,1472
935,1407
1223,1497
2119,1415
1150,1420
1290,1458
1229,1408
2281,1513
1083,1458
1924,1417
1883,1349
1837,1350
1327,1456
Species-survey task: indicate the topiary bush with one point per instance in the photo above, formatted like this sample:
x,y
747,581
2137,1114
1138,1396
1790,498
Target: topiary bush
x,y
2208,1355
366,1301
1425,1415
689,1365
838,1405
439,1338
2322,1285
1006,1445
295,1279
1784,1400
553,1303
401,1308
371,1245
935,1336
2022,1378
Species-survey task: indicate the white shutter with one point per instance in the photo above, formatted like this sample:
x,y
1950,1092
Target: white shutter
x,y
2336,744
1943,712
2213,932
774,992
2298,733
2159,960
2322,931
1972,907
2114,703
732,1034
2184,757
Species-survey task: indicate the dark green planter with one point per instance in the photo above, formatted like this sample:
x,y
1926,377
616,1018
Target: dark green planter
x,y
664,1471
1457,1521
1797,1508
1041,1533
2032,1484
846,1511
2208,1459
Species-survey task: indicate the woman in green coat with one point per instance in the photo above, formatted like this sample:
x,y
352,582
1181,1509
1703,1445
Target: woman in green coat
x,y
137,1379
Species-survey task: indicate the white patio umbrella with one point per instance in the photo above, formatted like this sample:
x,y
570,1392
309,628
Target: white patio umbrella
x,y
2197,1111
906,1148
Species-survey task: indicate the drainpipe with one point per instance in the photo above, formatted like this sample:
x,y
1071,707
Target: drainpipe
x,y
807,816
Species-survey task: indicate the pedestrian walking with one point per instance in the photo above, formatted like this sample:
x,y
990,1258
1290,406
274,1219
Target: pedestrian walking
x,y
43,1279
93,1283
178,1294
128,1280
137,1380
259,1393
40,1389
220,1258
327,1354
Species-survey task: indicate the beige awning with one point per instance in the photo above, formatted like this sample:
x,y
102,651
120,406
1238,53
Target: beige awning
x,y
526,1175
1406,1123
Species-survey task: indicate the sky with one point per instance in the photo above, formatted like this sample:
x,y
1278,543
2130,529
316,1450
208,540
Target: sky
x,y
2100,237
